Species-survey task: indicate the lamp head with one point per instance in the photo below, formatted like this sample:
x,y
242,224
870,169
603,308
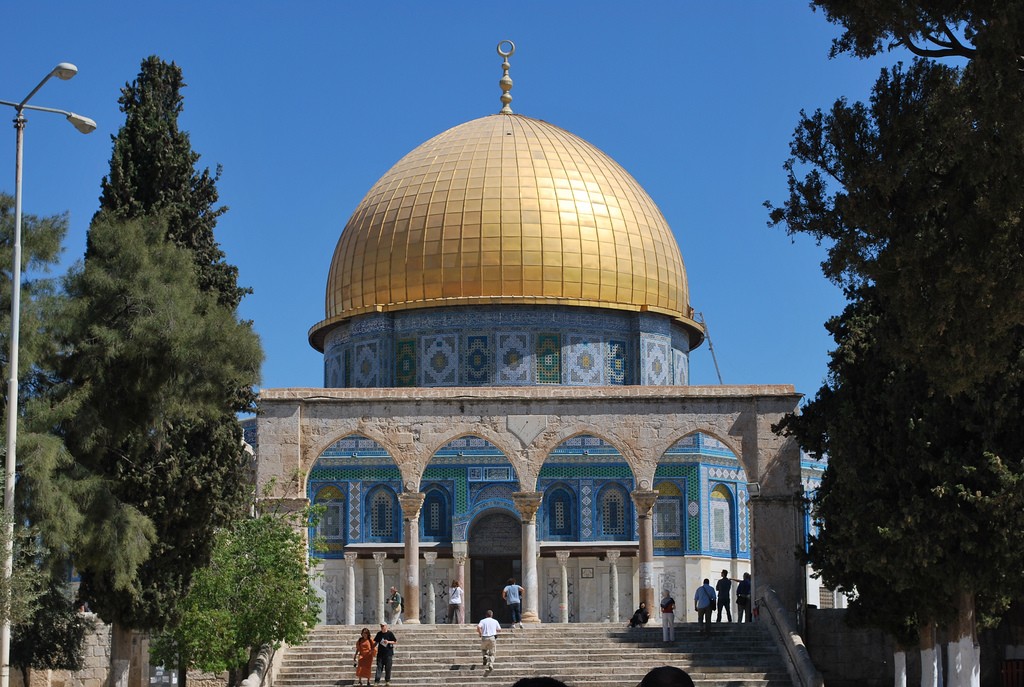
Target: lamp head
x,y
83,124
64,71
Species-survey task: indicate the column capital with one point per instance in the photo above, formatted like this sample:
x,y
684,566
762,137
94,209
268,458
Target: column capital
x,y
430,557
563,557
460,558
527,503
644,500
379,557
350,558
612,555
411,502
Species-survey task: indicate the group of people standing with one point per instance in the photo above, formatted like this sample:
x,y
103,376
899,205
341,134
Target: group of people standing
x,y
382,646
705,600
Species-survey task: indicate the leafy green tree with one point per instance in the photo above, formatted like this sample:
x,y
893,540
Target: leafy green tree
x,y
152,372
255,591
914,195
54,637
158,367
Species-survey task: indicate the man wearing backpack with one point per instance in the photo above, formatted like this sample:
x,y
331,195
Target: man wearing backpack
x,y
704,604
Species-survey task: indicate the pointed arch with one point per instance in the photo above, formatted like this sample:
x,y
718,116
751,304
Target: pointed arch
x,y
722,520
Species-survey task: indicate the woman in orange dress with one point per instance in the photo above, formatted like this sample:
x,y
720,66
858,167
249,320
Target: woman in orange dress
x,y
363,658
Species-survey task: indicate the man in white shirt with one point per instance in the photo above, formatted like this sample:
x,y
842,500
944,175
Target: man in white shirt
x,y
488,629
455,603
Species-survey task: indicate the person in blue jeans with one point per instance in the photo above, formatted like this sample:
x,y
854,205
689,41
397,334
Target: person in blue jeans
x,y
513,595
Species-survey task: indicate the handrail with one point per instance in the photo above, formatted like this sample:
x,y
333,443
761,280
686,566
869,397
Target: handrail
x,y
260,666
801,667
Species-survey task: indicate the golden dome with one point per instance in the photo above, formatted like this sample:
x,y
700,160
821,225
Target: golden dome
x,y
506,209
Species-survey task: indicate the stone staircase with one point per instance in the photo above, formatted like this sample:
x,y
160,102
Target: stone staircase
x,y
580,654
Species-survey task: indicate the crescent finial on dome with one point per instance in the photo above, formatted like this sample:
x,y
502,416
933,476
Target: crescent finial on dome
x,y
506,49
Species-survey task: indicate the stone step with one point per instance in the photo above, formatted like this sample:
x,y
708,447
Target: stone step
x,y
580,654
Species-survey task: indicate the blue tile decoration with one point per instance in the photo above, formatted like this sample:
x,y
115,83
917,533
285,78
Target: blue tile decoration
x,y
549,358
366,370
680,368
478,359
439,362
405,362
595,347
655,366
584,361
513,358
616,372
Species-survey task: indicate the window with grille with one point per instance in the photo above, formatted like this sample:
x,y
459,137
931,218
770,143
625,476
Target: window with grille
x,y
666,517
613,513
560,514
382,514
435,516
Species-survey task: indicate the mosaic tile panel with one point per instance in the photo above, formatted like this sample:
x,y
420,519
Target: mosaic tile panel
x,y
549,359
680,367
616,360
405,362
655,365
455,478
355,494
586,509
440,361
366,372
584,361
561,470
478,359
513,358
347,380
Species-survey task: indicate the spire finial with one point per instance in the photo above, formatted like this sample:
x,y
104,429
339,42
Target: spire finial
x,y
506,49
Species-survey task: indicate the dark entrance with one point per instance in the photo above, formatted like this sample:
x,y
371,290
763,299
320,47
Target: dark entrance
x,y
495,543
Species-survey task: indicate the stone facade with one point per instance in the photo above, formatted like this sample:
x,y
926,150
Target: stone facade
x,y
408,428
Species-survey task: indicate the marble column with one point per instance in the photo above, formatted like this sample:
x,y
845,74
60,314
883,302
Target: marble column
x,y
411,502
613,571
350,587
644,500
527,503
460,556
430,557
563,599
379,557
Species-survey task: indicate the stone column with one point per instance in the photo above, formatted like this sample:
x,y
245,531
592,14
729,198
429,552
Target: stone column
x,y
379,557
563,599
350,587
460,555
527,503
644,502
430,557
411,502
613,558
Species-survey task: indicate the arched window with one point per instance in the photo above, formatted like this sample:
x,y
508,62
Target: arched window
x,y
435,517
331,527
560,515
722,525
382,506
612,512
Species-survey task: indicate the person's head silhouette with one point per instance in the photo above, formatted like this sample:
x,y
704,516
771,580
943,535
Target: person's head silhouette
x,y
666,676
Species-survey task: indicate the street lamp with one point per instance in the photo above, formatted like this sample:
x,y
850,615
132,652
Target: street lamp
x,y
63,71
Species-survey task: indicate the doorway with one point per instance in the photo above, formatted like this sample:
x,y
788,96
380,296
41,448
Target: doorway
x,y
495,543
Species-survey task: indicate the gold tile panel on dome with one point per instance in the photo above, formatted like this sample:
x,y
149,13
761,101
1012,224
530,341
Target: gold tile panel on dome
x,y
506,209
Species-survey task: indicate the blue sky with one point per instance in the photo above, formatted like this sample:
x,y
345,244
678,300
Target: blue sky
x,y
306,104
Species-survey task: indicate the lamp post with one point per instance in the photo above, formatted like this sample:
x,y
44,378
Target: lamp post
x,y
63,71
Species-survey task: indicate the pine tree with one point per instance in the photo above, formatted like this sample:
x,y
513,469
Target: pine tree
x,y
158,367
